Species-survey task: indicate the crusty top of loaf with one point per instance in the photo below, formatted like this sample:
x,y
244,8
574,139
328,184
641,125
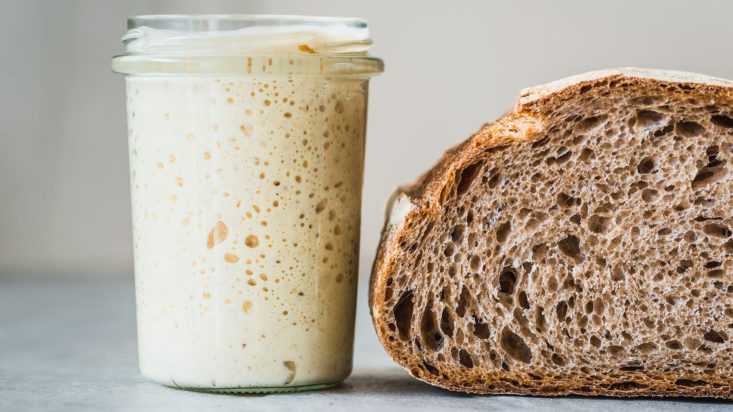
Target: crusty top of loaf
x,y
535,93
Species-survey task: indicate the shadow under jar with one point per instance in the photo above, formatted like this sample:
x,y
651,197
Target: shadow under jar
x,y
246,145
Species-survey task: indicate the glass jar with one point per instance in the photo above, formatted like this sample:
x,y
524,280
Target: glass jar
x,y
246,145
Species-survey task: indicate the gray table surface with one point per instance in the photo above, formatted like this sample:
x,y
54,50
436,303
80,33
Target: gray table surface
x,y
69,344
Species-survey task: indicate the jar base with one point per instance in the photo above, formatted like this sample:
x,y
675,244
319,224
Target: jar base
x,y
273,389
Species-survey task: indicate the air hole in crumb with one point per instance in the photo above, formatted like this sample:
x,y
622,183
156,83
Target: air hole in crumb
x,y
664,131
467,176
707,175
712,152
457,233
673,344
646,165
598,224
541,142
465,359
502,231
589,307
429,331
588,124
446,323
585,154
626,386
539,251
713,336
728,246
514,346
464,299
523,301
717,230
472,241
717,273
570,246
481,329
403,314
558,360
648,118
561,309
564,157
431,369
722,120
615,350
689,382
507,280
494,180
649,195
690,236
475,263
689,128
566,201
646,347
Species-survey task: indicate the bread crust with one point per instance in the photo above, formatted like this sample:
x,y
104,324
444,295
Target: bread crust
x,y
424,198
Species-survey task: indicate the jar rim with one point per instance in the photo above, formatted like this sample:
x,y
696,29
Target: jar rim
x,y
220,43
168,19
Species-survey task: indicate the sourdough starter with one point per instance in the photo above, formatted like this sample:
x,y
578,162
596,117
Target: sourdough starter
x,y
246,196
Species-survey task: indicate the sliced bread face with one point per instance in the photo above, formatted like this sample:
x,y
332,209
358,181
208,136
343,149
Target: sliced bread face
x,y
580,244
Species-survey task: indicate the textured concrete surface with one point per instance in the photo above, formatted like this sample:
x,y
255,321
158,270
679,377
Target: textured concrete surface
x,y
69,345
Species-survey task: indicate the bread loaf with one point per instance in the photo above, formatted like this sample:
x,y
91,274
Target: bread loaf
x,y
580,244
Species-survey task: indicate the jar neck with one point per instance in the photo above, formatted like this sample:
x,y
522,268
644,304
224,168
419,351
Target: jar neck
x,y
247,45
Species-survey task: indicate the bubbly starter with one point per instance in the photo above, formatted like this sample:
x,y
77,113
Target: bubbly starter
x,y
246,199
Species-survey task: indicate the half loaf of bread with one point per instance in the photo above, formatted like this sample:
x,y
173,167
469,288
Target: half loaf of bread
x,y
580,244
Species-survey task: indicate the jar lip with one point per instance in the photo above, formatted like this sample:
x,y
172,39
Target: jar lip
x,y
162,19
226,43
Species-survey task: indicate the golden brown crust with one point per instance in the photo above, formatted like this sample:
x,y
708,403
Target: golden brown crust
x,y
423,199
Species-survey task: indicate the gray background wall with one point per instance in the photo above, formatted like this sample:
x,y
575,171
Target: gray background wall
x,y
451,66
